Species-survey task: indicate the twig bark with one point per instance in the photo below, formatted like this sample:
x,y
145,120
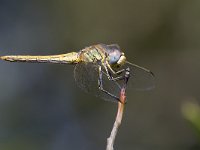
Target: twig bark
x,y
121,104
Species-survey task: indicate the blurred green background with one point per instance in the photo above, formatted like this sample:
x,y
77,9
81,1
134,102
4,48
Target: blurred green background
x,y
42,108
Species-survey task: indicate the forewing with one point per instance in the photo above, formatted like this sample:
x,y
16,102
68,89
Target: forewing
x,y
140,78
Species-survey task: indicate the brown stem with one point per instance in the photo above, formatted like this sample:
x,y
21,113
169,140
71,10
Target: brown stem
x,y
121,104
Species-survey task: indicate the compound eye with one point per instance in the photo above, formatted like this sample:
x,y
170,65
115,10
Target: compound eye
x,y
114,56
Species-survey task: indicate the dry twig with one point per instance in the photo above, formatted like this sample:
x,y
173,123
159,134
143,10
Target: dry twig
x,y
121,104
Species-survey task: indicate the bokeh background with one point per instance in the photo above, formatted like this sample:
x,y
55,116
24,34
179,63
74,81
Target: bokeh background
x,y
42,108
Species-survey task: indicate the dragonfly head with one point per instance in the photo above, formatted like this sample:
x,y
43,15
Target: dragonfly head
x,y
115,57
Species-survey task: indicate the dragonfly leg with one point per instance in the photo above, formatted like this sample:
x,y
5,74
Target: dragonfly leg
x,y
107,72
100,84
110,77
119,71
118,78
124,77
113,71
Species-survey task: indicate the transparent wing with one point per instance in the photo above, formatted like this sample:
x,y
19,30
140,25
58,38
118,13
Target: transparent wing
x,y
140,78
86,76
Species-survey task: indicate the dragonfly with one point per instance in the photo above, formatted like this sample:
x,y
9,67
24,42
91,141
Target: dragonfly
x,y
99,69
